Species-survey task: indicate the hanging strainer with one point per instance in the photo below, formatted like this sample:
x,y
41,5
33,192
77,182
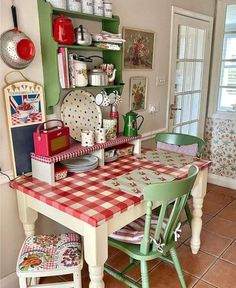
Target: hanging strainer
x,y
16,49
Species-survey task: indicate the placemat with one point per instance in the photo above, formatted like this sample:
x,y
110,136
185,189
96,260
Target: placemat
x,y
134,181
169,158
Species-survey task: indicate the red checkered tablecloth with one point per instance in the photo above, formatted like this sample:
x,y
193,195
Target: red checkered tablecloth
x,y
85,197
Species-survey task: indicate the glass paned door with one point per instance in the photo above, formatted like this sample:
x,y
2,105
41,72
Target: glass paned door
x,y
189,65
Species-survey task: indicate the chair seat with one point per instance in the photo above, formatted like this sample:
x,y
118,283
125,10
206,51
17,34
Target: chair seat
x,y
49,253
134,232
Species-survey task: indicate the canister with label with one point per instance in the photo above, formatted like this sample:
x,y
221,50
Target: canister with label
x,y
87,6
107,9
74,5
98,7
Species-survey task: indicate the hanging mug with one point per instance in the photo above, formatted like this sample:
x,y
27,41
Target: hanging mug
x,y
102,99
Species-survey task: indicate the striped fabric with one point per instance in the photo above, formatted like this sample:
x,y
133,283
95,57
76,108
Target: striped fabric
x,y
134,231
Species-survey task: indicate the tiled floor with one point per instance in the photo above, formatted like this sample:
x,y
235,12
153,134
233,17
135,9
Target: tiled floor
x,y
213,266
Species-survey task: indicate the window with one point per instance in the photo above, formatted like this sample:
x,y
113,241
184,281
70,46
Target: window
x,y
223,72
227,87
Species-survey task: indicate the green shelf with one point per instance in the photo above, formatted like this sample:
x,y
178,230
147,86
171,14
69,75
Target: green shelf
x,y
119,86
91,17
49,49
87,48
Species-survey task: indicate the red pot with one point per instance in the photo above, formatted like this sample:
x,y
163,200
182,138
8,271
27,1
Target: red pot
x,y
63,30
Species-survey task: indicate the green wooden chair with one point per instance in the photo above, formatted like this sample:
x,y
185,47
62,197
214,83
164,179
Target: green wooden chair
x,y
182,140
153,236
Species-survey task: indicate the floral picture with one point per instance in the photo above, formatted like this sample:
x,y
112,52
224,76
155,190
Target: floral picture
x,y
138,49
138,93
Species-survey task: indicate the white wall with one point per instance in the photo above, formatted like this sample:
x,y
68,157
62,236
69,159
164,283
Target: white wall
x,y
11,230
150,14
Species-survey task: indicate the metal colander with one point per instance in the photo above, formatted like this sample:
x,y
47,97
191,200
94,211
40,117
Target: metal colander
x,y
8,45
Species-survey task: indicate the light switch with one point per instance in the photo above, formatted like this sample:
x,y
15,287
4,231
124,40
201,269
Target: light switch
x,y
160,81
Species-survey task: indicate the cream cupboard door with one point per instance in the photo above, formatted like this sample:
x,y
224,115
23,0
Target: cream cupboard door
x,y
189,74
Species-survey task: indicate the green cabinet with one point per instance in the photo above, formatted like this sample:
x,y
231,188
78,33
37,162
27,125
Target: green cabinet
x,y
49,50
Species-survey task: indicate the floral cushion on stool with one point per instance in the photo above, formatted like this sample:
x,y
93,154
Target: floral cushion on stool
x,y
45,253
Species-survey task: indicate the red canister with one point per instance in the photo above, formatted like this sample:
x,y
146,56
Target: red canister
x,y
63,30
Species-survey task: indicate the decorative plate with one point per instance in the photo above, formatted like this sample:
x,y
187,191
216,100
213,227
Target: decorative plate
x,y
79,112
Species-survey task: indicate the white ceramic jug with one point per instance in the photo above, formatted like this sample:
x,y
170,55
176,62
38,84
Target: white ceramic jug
x,y
81,75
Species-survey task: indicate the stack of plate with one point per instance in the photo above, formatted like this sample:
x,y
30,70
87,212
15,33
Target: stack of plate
x,y
81,164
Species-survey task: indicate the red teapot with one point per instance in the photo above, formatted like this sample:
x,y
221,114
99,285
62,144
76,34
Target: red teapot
x,y
63,30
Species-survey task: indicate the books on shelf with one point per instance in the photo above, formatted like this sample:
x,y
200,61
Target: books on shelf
x,y
63,68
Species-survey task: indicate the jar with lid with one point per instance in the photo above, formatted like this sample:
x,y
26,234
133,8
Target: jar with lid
x,y
87,6
74,5
107,9
98,7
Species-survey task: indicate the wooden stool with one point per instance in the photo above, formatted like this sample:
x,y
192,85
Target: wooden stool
x,y
50,255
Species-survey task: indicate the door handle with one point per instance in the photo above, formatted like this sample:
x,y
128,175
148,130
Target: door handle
x,y
174,108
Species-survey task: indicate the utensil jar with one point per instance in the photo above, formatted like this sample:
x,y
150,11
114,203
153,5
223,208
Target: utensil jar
x,y
81,77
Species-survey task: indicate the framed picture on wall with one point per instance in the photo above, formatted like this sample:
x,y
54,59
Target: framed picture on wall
x,y
138,48
24,103
138,93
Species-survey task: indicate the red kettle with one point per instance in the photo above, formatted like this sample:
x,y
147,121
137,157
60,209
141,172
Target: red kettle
x,y
63,30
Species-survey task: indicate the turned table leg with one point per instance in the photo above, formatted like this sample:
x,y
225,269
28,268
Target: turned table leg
x,y
198,192
27,215
96,253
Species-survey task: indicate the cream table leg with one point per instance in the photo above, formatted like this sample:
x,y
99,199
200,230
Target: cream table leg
x,y
27,215
96,253
198,192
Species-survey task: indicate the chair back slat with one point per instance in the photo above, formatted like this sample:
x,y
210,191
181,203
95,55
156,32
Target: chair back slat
x,y
164,192
180,139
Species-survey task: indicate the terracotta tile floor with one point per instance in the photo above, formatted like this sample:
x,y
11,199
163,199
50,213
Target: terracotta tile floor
x,y
213,266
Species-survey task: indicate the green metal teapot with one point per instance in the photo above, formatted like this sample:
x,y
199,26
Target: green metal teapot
x,y
130,127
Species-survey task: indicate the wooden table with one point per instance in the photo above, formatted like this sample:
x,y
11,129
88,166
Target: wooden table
x,y
85,205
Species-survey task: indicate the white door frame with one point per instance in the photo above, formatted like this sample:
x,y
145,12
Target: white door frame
x,y
198,16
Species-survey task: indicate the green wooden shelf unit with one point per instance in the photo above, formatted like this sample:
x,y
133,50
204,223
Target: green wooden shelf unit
x,y
49,49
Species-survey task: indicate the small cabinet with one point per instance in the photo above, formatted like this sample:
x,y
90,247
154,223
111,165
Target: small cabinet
x,y
49,49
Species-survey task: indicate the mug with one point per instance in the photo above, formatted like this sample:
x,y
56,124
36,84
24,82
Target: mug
x,y
87,138
100,135
111,127
81,75
102,99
